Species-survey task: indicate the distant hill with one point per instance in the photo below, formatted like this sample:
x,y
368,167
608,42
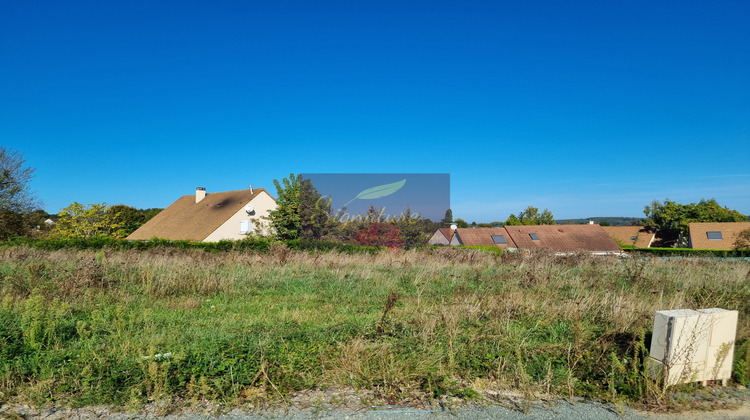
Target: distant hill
x,y
613,221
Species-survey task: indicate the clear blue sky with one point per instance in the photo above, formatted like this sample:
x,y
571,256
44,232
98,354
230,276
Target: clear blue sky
x,y
588,108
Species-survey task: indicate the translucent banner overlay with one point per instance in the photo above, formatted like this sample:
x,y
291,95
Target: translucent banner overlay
x,y
343,207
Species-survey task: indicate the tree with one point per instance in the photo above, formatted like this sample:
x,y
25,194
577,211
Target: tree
x,y
513,221
743,240
16,199
94,220
448,219
379,234
128,218
315,213
461,223
414,230
12,224
15,195
531,216
285,219
674,216
546,218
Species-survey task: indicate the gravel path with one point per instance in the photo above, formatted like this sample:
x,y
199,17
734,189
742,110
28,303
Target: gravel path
x,y
347,404
562,411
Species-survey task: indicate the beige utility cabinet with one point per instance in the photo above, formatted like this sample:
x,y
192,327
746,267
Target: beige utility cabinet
x,y
692,346
720,344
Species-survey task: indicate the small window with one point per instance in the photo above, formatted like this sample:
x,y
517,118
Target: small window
x,y
246,226
499,239
632,238
533,236
714,235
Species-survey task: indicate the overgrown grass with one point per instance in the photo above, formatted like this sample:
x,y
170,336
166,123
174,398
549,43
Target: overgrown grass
x,y
125,327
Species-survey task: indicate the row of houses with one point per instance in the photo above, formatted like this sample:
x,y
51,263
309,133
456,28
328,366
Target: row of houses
x,y
211,217
556,238
592,238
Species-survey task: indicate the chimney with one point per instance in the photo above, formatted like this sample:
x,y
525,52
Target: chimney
x,y
200,194
251,189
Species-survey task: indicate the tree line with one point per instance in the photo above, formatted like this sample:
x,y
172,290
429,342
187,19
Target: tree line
x,y
301,214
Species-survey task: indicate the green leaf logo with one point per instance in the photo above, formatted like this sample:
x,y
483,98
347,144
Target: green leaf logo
x,y
379,191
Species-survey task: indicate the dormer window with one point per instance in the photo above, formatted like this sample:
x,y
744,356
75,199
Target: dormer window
x,y
533,236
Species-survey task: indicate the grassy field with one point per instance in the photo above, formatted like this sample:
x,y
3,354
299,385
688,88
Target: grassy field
x,y
128,327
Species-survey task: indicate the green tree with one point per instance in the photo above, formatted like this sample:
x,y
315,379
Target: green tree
x,y
448,219
315,212
414,230
12,224
285,219
94,220
513,221
743,240
546,218
531,216
671,215
461,223
148,214
129,218
16,199
15,195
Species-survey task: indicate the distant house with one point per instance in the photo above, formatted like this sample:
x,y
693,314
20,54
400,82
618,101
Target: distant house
x,y
498,237
715,235
564,239
638,236
210,217
441,236
561,239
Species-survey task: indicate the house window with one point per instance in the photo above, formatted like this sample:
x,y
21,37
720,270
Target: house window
x,y
499,239
632,238
714,235
246,226
534,237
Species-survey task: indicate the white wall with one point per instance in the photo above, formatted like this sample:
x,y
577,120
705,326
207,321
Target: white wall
x,y
262,203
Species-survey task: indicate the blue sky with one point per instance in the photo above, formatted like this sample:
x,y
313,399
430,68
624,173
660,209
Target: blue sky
x,y
587,108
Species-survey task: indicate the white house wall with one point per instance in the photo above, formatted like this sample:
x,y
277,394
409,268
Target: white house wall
x,y
262,204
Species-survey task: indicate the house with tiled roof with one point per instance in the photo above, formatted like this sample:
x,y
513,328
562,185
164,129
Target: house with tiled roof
x,y
497,237
560,239
637,236
564,239
715,235
211,217
442,236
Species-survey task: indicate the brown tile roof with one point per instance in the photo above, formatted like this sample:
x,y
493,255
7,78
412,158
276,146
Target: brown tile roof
x,y
624,234
563,238
186,219
442,236
729,232
483,236
447,232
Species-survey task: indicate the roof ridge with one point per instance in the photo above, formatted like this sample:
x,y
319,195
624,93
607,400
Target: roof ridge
x,y
230,191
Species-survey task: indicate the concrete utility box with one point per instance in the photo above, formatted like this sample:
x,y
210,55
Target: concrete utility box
x,y
692,346
720,344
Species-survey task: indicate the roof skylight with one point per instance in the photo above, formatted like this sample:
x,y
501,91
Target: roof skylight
x,y
499,239
714,235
